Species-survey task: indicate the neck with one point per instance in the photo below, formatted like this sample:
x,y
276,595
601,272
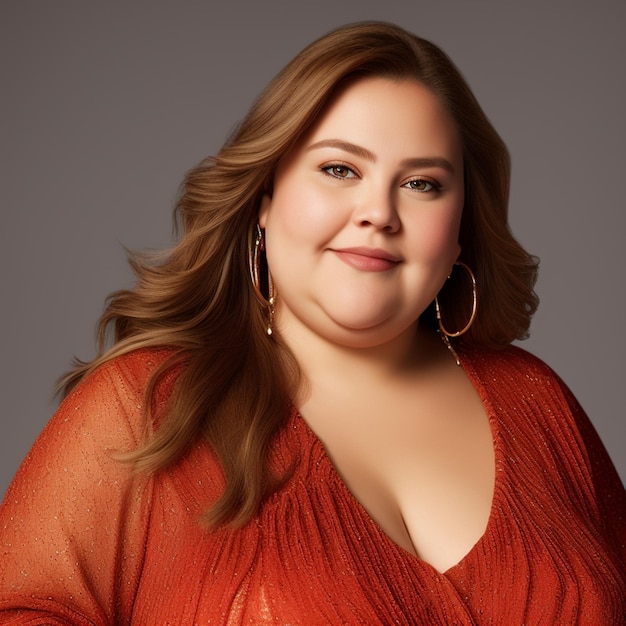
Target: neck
x,y
321,359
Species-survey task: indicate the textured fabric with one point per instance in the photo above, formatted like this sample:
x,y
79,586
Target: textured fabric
x,y
83,542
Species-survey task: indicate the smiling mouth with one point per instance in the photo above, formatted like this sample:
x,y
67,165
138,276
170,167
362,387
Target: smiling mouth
x,y
367,259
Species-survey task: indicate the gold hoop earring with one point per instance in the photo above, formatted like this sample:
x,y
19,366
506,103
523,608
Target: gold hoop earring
x,y
254,263
446,334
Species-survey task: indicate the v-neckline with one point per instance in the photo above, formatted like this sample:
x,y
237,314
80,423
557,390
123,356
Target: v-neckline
x,y
495,507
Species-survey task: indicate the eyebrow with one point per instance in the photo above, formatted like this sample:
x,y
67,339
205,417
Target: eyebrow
x,y
364,153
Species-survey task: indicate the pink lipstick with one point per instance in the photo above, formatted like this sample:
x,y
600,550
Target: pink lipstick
x,y
368,259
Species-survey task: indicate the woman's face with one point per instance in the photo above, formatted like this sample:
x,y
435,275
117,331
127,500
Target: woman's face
x,y
362,226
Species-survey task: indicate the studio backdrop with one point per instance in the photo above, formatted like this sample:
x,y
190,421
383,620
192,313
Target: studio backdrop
x,y
105,105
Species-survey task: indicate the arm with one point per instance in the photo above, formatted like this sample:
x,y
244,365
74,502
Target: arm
x,y
73,520
610,496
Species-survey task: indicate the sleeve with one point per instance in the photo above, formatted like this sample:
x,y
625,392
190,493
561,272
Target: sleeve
x,y
73,521
606,486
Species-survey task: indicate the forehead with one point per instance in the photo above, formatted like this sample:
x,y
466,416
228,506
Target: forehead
x,y
388,115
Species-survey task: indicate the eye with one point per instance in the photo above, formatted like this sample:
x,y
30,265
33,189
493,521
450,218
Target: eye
x,y
338,170
422,185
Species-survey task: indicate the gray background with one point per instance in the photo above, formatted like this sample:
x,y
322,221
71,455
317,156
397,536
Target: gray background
x,y
105,105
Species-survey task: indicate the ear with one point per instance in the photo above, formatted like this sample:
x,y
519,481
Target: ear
x,y
264,209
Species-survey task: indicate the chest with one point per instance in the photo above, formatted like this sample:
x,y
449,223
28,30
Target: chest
x,y
314,555
421,463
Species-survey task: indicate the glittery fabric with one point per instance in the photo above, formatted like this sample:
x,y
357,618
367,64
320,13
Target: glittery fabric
x,y
83,542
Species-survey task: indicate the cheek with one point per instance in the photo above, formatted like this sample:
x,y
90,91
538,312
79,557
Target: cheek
x,y
436,236
301,216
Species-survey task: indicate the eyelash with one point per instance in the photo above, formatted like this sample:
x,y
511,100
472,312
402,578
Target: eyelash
x,y
331,166
434,185
327,170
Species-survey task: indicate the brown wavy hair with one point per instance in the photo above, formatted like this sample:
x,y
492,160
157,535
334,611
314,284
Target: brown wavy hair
x,y
197,298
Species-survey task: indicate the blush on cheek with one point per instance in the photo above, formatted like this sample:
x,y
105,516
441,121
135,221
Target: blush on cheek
x,y
311,217
439,239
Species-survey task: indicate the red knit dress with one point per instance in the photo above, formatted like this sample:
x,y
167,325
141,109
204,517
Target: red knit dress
x,y
84,542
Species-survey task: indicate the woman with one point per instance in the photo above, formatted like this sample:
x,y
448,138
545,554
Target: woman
x,y
278,432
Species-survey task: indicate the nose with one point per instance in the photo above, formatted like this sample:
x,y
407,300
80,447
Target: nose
x,y
378,209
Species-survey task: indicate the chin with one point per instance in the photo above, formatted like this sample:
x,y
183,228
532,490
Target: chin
x,y
371,336
388,322
360,316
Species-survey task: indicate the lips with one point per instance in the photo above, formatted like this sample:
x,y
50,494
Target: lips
x,y
367,259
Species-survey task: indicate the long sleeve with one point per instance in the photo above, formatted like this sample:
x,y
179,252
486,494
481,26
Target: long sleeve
x,y
73,520
605,486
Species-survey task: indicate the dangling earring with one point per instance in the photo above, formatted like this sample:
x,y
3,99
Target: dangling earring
x,y
254,262
445,334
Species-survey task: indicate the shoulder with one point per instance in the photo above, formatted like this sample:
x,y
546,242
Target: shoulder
x,y
519,381
509,363
116,392
103,416
132,371
514,373
87,508
528,396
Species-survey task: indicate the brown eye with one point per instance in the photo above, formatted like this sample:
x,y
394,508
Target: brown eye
x,y
422,185
338,171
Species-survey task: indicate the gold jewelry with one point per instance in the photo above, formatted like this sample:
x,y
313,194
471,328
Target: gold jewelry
x,y
254,263
446,334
